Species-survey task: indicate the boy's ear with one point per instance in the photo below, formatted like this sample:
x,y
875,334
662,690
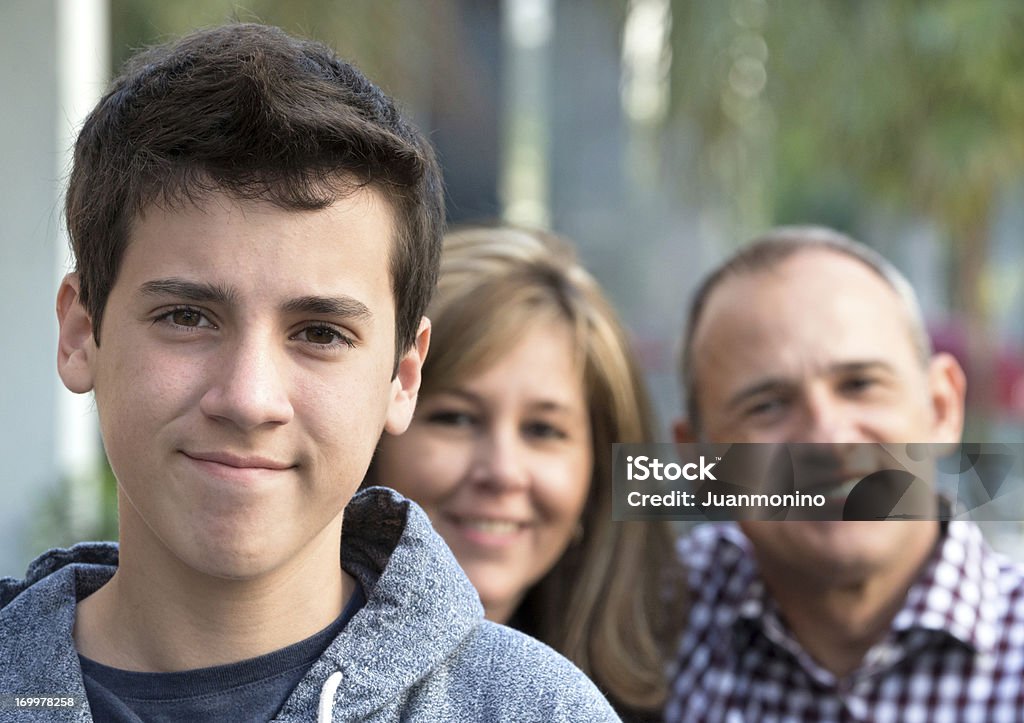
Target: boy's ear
x,y
406,385
76,346
682,431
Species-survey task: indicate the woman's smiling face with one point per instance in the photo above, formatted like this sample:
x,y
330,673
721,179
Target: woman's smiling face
x,y
502,463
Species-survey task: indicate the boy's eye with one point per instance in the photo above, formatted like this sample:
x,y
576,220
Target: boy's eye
x,y
187,317
323,336
320,334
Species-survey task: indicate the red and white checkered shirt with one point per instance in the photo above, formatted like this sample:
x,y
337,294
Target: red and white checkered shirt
x,y
954,652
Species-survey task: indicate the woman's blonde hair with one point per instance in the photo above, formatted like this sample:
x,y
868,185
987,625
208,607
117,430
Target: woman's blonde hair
x,y
603,604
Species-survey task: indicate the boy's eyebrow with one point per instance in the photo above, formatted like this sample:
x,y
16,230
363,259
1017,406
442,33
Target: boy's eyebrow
x,y
189,290
343,306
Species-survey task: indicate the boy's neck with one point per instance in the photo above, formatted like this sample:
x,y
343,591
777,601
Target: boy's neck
x,y
158,615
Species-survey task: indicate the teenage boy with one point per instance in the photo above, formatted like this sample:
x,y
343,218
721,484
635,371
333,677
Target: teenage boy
x,y
256,232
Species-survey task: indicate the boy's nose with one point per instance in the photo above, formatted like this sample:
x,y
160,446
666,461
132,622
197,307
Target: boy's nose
x,y
250,388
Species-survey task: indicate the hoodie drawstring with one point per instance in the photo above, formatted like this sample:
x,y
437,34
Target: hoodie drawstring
x,y
326,711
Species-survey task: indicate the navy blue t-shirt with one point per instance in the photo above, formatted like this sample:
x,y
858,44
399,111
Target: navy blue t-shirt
x,y
251,690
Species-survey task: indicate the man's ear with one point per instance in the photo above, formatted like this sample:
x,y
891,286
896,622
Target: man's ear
x,y
406,384
76,346
947,387
683,432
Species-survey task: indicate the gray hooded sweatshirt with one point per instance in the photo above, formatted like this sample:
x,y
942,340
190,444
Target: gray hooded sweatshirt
x,y
419,650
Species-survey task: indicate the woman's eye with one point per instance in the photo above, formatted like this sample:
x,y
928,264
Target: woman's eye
x,y
544,430
324,336
450,418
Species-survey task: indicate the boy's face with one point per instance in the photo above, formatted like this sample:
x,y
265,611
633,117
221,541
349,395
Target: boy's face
x,y
244,376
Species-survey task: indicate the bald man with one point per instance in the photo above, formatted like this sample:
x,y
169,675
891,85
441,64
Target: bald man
x,y
808,336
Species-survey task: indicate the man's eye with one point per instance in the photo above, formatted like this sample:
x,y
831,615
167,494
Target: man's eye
x,y
765,407
324,336
857,385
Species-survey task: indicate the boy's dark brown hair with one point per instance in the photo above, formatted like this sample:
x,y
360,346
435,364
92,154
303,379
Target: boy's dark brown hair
x,y
254,112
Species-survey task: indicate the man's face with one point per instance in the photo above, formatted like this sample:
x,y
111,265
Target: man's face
x,y
244,376
819,349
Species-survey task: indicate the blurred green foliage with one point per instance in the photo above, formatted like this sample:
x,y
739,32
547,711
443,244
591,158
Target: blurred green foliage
x,y
391,41
821,111
917,105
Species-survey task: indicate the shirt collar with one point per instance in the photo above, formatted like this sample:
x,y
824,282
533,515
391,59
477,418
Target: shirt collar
x,y
756,609
953,594
956,590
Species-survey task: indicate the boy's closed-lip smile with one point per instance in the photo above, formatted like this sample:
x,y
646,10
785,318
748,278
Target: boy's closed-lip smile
x,y
234,467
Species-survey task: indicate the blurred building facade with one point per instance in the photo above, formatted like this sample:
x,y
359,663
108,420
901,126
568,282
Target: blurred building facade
x,y
658,134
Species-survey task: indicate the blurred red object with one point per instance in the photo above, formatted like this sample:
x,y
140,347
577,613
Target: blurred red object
x,y
1008,366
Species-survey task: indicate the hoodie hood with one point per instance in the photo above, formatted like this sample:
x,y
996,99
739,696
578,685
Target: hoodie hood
x,y
420,609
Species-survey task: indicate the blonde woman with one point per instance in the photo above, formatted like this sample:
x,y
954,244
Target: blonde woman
x,y
528,382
